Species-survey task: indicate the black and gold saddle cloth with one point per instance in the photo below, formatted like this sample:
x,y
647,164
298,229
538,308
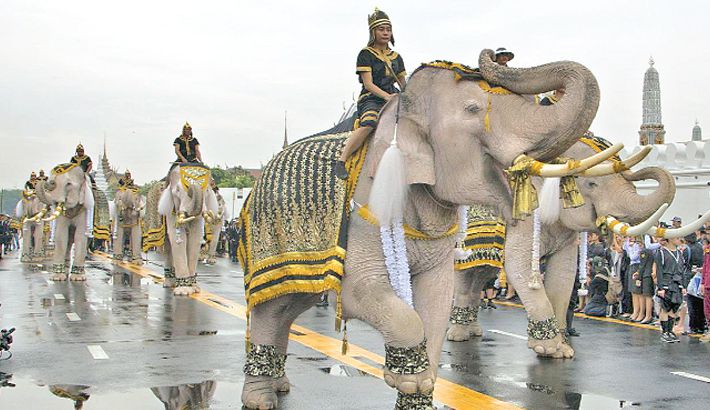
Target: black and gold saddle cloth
x,y
153,228
295,221
485,238
102,216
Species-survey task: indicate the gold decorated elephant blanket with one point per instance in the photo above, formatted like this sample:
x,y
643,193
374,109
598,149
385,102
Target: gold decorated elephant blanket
x,y
102,216
295,221
153,228
485,238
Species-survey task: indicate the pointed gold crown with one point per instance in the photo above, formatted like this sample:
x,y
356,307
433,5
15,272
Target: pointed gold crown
x,y
79,147
33,174
377,18
186,126
128,172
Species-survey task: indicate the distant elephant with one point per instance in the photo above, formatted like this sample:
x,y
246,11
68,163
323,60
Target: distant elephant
x,y
456,134
215,228
68,191
185,203
129,209
30,211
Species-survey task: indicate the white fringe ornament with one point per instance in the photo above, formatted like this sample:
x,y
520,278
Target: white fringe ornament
x,y
583,245
535,282
395,251
460,253
550,204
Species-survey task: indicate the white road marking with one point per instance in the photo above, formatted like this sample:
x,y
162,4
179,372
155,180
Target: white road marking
x,y
692,376
59,296
73,317
508,334
97,352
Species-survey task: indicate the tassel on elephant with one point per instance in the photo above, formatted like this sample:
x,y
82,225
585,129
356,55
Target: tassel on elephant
x,y
30,210
129,210
186,203
450,132
69,193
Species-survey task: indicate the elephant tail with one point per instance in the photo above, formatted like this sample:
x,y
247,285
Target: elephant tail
x,y
550,201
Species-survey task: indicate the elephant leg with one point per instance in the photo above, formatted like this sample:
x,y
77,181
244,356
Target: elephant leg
x,y
80,238
543,331
38,245
118,245
26,255
212,253
559,282
185,247
482,276
136,236
465,307
61,243
264,370
168,267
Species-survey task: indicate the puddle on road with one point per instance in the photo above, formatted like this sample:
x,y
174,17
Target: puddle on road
x,y
341,370
584,401
15,394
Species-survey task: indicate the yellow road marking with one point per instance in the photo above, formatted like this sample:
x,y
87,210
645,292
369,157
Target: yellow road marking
x,y
449,393
601,319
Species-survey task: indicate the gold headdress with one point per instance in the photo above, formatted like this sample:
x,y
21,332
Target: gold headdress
x,y
376,19
79,147
33,174
186,126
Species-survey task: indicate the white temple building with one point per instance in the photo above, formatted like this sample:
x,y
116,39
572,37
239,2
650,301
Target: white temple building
x,y
688,162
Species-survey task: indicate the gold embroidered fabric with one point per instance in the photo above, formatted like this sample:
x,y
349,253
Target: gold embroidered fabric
x,y
485,238
294,222
102,217
194,174
63,168
153,224
520,180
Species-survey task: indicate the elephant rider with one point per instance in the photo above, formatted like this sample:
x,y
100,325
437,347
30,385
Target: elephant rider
x,y
32,182
187,147
379,68
41,176
81,159
502,56
126,181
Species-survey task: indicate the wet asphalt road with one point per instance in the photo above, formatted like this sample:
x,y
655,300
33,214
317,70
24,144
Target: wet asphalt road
x,y
122,341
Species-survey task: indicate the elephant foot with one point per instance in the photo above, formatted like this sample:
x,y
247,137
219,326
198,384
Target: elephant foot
x,y
458,333
565,352
137,261
259,393
211,261
264,372
58,277
407,369
169,277
475,328
118,258
186,290
77,277
544,336
169,283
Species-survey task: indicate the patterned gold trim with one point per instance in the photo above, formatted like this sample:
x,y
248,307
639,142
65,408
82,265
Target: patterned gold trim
x,y
63,168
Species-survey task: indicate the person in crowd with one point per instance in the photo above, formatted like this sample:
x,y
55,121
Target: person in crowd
x,y
31,183
676,222
598,287
669,272
705,288
618,265
233,239
379,68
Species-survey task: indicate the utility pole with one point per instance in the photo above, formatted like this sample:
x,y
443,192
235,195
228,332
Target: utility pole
x,y
2,195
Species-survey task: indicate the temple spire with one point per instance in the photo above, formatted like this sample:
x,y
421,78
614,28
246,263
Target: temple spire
x,y
652,131
285,130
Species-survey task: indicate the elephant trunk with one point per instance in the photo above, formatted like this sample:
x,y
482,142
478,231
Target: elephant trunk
x,y
550,130
635,207
41,191
196,196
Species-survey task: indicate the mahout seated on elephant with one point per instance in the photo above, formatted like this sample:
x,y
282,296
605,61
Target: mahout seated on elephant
x,y
30,211
68,192
187,203
450,128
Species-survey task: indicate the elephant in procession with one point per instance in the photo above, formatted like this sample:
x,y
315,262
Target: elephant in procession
x,y
187,203
456,133
547,305
212,230
129,208
69,193
30,211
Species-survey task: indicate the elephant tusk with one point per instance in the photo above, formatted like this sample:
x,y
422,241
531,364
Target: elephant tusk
x,y
54,215
571,167
616,167
622,228
670,233
182,218
209,216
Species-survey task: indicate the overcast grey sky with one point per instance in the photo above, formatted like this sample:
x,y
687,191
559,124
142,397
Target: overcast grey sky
x,y
136,70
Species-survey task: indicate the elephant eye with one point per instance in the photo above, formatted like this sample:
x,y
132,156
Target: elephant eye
x,y
592,184
472,107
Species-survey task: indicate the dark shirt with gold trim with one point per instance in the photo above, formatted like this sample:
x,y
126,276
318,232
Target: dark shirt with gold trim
x,y
377,61
187,148
83,161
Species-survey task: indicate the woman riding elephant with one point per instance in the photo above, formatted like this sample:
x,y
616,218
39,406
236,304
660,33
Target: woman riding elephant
x,y
451,122
129,209
30,212
68,192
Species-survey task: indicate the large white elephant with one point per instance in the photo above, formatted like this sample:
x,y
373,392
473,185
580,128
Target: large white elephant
x,y
69,193
215,228
130,205
456,134
30,211
185,203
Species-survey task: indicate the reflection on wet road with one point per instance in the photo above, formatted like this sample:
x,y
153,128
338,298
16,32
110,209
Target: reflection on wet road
x,y
122,341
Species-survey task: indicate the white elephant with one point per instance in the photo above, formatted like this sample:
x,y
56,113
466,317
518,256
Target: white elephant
x,y
186,203
456,133
213,230
30,211
129,205
69,193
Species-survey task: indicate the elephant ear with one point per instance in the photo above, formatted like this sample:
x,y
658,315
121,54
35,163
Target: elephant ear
x,y
412,140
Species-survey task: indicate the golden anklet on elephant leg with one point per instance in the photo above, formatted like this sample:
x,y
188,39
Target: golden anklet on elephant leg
x,y
543,329
265,360
406,360
416,401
